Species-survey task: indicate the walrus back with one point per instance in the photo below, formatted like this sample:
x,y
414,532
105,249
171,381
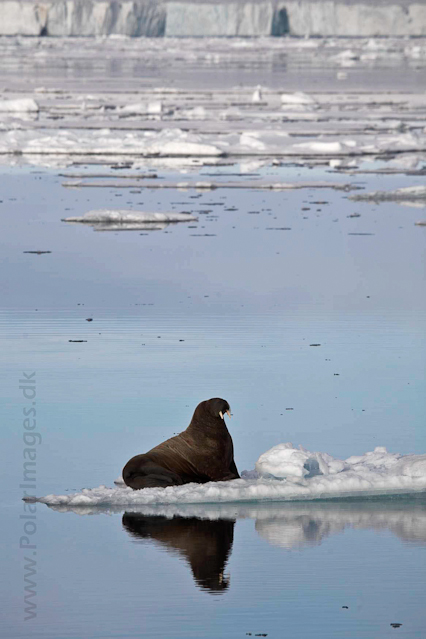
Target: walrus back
x,y
164,465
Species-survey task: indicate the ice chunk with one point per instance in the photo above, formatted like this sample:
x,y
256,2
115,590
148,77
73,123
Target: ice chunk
x,y
21,105
405,194
252,142
155,108
296,98
283,461
107,216
188,148
141,108
286,461
320,147
257,95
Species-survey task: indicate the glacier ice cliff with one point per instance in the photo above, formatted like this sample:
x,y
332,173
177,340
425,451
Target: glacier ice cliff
x,y
355,18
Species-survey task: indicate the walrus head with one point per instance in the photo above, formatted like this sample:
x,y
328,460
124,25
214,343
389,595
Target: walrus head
x,y
215,407
218,407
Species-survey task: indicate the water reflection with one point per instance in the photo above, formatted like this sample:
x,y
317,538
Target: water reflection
x,y
205,544
125,226
308,525
203,534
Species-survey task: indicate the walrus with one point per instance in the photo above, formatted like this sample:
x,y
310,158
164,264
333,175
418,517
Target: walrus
x,y
205,544
203,452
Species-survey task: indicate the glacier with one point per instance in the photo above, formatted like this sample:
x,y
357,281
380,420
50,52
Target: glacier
x,y
213,18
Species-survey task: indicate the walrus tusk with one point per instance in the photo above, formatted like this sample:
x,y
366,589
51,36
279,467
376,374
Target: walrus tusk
x,y
221,414
229,413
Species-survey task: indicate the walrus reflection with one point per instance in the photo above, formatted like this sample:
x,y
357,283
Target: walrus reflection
x,y
206,545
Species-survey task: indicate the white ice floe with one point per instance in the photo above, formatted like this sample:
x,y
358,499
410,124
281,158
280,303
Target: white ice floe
x,y
320,147
406,194
142,108
211,186
165,143
125,217
297,98
283,473
21,105
206,142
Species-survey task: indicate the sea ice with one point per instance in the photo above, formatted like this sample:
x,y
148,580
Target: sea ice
x,y
320,147
285,461
125,217
21,105
282,473
405,194
141,108
297,98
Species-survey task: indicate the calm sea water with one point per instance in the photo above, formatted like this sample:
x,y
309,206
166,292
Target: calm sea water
x,y
228,306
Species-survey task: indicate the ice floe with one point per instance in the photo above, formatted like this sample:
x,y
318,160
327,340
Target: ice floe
x,y
406,194
209,186
106,142
297,99
20,105
127,217
174,142
283,473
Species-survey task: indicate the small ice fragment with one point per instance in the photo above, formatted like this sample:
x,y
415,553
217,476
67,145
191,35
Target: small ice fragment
x,y
155,108
257,95
142,108
296,98
22,105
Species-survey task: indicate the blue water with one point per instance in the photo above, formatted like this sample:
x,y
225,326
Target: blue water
x,y
247,300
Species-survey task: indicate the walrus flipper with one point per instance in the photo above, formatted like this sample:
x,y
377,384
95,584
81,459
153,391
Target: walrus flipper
x,y
141,472
234,471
